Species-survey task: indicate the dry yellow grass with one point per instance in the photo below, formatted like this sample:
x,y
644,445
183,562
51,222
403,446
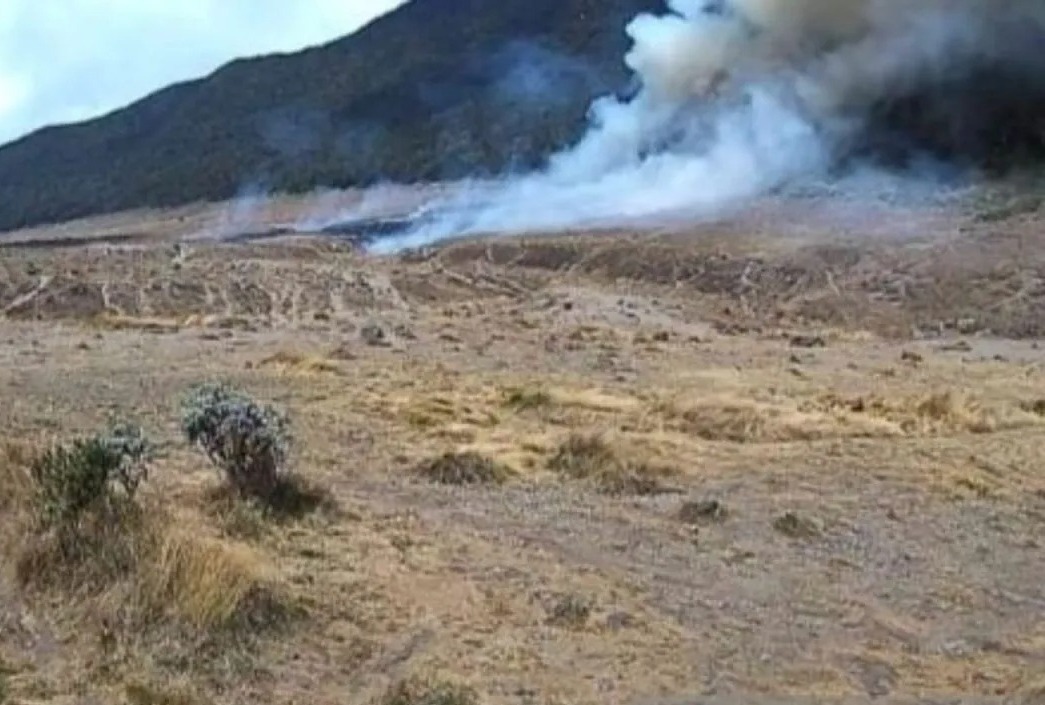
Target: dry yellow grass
x,y
207,582
14,476
610,468
630,388
295,362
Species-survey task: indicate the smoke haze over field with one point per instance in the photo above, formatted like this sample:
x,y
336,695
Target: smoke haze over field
x,y
740,97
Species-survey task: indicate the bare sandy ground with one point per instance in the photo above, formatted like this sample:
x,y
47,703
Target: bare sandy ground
x,y
845,433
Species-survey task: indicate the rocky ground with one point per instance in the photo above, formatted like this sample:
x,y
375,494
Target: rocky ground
x,y
817,457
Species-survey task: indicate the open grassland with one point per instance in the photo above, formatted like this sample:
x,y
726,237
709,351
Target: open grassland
x,y
559,470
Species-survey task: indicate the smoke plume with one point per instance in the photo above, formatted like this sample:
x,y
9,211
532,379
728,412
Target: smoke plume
x,y
741,97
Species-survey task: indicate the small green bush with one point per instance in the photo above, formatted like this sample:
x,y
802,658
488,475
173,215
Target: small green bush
x,y
102,472
246,441
85,518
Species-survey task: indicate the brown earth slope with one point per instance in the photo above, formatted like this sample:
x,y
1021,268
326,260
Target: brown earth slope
x,y
738,465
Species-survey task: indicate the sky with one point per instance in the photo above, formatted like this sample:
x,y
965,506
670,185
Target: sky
x,y
66,60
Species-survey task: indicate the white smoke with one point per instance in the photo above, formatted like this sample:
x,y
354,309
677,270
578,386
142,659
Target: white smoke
x,y
739,97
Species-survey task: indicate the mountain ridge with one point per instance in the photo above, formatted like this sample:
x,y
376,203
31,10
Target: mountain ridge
x,y
435,89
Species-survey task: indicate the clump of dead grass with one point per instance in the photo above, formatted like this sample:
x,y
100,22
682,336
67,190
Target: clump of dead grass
x,y
428,691
590,458
571,611
834,416
144,692
525,398
464,468
940,412
798,526
300,363
14,476
293,498
121,322
1036,407
206,583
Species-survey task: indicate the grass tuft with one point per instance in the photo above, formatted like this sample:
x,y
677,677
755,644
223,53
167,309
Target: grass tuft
x,y
468,468
429,691
522,399
147,693
590,458
570,611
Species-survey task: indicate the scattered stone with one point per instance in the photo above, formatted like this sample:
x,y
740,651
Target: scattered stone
x,y
620,620
796,526
405,332
374,335
708,511
808,341
343,353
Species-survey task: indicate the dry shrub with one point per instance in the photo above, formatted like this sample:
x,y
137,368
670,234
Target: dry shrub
x,y
467,468
591,458
293,498
428,691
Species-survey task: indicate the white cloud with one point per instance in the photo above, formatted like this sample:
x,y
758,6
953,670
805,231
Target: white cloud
x,y
73,59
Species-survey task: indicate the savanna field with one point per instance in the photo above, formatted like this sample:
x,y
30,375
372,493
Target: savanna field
x,y
678,467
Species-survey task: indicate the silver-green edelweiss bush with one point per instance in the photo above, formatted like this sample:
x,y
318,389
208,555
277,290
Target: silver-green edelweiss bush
x,y
248,442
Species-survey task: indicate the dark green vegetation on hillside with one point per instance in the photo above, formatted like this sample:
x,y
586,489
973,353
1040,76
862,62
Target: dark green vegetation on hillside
x,y
437,89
